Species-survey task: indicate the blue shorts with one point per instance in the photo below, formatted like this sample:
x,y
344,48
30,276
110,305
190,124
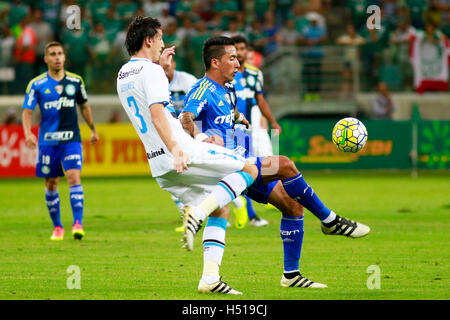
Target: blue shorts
x,y
259,191
52,159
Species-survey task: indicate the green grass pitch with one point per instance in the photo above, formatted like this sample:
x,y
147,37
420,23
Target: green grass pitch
x,y
131,250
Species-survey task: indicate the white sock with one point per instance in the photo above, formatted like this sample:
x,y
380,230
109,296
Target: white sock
x,y
330,217
223,193
213,248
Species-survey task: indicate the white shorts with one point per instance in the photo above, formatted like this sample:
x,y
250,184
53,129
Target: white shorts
x,y
209,164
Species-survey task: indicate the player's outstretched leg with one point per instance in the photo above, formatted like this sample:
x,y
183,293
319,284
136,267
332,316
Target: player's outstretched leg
x,y
224,192
299,190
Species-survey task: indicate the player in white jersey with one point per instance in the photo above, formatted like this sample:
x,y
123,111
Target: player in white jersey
x,y
180,83
204,176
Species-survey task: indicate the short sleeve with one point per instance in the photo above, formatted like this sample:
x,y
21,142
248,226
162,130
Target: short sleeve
x,y
194,104
156,86
31,96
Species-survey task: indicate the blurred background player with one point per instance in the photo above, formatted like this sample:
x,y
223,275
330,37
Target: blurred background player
x,y
59,146
248,84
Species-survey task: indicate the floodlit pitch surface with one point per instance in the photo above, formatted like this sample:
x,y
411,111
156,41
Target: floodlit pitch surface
x,y
131,250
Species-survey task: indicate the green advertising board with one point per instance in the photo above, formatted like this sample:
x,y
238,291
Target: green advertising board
x,y
389,145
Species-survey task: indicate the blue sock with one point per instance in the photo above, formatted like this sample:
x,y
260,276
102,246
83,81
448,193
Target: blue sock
x,y
77,203
250,211
52,200
291,231
297,188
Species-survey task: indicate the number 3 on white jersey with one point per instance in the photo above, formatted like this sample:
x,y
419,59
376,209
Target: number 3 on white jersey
x,y
131,103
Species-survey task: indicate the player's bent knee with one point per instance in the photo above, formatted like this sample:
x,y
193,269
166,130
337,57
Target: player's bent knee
x,y
251,169
288,168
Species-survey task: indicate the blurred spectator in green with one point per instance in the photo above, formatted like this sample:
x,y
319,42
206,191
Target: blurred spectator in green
x,y
256,35
51,10
76,46
24,53
227,9
196,46
100,49
187,29
417,10
172,38
263,6
182,9
44,34
17,12
298,14
356,12
376,40
99,10
113,23
282,9
215,24
288,34
126,9
271,29
233,29
154,8
119,50
399,45
313,37
351,40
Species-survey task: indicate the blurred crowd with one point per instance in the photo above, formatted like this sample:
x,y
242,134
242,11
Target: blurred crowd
x,y
96,49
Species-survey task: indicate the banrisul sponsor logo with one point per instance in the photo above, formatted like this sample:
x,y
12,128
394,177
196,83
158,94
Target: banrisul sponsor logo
x,y
124,74
62,102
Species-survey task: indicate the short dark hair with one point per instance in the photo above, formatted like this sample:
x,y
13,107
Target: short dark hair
x,y
240,39
52,44
214,48
139,29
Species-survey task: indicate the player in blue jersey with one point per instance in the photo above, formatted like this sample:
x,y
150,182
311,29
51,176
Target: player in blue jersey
x,y
278,181
59,144
248,83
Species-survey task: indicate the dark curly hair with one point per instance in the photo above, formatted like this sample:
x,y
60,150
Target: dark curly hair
x,y
139,29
